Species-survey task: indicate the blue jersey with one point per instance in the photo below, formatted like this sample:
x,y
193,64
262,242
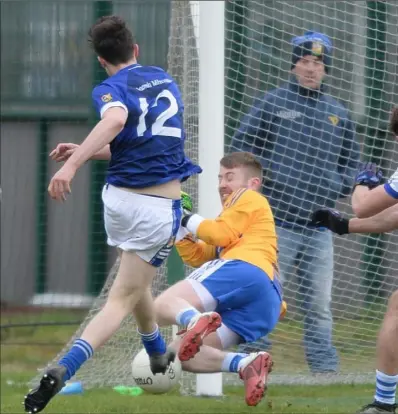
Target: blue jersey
x,y
150,149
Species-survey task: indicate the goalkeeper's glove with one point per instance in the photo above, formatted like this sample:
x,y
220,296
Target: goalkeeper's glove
x,y
369,175
331,219
188,216
186,203
187,207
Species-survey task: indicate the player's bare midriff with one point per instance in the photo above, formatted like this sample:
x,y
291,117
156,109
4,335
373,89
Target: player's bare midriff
x,y
171,189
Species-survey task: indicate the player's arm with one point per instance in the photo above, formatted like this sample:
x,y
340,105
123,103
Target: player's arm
x,y
63,151
102,134
113,118
113,112
368,202
383,222
226,228
195,253
103,154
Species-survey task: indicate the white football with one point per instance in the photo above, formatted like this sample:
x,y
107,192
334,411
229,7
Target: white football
x,y
155,384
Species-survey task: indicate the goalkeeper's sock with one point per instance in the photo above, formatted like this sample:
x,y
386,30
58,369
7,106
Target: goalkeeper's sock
x,y
80,352
386,387
231,362
153,342
185,316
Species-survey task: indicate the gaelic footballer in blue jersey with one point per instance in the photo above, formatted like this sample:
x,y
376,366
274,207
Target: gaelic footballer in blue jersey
x,y
141,132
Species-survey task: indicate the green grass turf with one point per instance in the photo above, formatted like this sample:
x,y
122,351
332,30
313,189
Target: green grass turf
x,y
292,399
19,361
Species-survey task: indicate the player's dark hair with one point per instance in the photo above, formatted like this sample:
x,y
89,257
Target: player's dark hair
x,y
111,39
243,159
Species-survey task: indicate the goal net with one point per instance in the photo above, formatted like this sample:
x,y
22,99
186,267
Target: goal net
x,y
363,76
258,58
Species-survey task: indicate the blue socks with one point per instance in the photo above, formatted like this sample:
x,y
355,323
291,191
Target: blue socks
x,y
231,362
80,352
386,387
184,317
153,342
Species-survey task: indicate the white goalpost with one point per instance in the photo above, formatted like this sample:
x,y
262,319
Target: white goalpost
x,y
210,40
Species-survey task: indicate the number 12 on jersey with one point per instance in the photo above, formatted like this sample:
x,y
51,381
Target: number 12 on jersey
x,y
158,128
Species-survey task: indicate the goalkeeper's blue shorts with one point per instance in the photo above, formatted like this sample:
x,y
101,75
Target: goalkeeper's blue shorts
x,y
248,301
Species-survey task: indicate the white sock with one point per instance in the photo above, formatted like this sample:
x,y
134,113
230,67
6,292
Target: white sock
x,y
186,315
231,362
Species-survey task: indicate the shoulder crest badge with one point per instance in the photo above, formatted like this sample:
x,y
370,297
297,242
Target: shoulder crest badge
x,y
106,98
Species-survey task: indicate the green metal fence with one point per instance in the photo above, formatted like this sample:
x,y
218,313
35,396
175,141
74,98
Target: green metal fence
x,y
47,74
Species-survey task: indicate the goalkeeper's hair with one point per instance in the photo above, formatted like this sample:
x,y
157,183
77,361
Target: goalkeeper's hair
x,y
243,159
112,40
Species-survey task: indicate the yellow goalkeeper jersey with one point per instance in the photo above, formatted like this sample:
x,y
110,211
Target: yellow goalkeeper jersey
x,y
245,230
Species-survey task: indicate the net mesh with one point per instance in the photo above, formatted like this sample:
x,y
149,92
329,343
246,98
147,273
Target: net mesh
x,y
364,78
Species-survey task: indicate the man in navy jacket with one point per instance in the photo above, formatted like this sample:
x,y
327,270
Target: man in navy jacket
x,y
306,142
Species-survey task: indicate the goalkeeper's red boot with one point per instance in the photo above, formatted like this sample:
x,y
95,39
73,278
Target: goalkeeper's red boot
x,y
199,327
254,372
51,384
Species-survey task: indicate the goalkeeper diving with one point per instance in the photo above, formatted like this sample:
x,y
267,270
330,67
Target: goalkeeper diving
x,y
234,296
376,206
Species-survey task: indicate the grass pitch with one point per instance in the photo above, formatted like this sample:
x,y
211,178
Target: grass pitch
x,y
280,399
20,359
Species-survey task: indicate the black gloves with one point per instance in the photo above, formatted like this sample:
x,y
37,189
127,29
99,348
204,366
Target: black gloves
x,y
331,219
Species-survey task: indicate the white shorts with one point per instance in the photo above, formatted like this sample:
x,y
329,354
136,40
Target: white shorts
x,y
146,225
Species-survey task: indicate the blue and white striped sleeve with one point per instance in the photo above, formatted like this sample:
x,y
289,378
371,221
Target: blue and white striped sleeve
x,y
391,186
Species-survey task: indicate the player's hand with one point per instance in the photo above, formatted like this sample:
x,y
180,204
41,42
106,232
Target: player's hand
x,y
63,151
60,183
331,219
369,175
186,203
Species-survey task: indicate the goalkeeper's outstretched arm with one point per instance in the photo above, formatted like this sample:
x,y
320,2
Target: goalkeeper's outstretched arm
x,y
195,253
228,227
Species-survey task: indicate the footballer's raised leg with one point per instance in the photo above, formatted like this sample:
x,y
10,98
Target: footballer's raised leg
x,y
182,305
